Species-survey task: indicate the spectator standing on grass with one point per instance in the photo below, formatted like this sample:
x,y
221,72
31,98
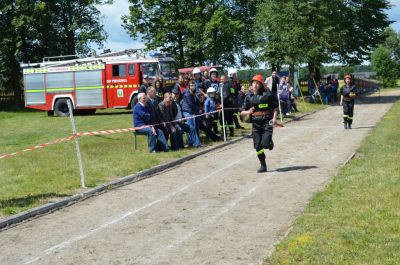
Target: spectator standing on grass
x,y
145,84
198,81
272,82
181,126
236,86
213,82
181,85
190,107
283,92
323,91
334,83
210,106
158,85
204,126
142,121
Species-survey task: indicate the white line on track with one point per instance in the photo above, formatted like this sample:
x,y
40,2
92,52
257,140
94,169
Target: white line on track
x,y
126,215
232,204
166,197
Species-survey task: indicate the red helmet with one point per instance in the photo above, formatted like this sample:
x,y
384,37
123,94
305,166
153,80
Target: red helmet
x,y
258,78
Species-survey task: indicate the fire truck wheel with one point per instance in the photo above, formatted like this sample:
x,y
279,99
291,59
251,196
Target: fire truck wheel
x,y
61,108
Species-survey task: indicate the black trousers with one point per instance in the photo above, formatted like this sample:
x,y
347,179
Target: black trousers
x,y
262,136
348,109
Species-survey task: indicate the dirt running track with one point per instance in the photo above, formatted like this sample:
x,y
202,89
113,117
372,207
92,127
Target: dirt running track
x,y
211,210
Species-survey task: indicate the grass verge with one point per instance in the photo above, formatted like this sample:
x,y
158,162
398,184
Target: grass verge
x,y
356,220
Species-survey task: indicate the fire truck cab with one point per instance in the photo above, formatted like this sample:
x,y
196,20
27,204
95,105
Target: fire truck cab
x,y
92,83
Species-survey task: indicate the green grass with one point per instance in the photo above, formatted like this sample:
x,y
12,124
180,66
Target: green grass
x,y
44,175
356,220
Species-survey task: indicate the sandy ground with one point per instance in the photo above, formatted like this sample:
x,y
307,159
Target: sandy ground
x,y
214,209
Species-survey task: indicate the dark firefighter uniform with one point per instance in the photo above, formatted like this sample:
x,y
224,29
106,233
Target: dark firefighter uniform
x,y
265,103
215,85
348,93
228,94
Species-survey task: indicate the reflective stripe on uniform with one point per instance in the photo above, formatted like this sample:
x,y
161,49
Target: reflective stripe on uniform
x,y
345,116
260,152
350,118
263,106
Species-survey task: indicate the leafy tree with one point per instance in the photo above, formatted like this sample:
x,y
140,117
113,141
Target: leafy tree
x,y
384,66
193,31
392,42
321,31
386,59
34,29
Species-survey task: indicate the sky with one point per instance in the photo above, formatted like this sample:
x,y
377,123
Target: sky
x,y
118,39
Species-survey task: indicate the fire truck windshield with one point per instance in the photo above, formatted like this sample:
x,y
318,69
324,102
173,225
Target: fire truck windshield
x,y
169,69
150,69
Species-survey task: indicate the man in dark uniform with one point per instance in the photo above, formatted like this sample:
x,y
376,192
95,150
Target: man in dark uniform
x,y
232,73
228,96
213,82
347,96
262,106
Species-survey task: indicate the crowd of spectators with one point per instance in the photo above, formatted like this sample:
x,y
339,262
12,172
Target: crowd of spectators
x,y
167,114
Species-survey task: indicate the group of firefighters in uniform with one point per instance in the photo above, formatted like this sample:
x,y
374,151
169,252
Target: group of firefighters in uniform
x,y
223,91
262,106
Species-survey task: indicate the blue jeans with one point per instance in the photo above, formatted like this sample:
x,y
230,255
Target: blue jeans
x,y
153,139
182,128
193,136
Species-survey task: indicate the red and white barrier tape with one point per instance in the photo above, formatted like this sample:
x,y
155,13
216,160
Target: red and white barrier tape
x,y
66,139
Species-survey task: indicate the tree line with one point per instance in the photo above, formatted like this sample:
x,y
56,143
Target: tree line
x,y
31,30
226,32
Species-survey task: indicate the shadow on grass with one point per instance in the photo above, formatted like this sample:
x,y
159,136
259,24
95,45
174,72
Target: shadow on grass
x,y
294,168
28,200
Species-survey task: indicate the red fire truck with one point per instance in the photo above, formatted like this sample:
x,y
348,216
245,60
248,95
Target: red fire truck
x,y
106,81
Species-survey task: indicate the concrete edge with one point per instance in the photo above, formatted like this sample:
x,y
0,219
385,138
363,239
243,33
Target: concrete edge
x,y
53,206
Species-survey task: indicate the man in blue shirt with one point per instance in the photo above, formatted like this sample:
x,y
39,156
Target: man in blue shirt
x,y
142,121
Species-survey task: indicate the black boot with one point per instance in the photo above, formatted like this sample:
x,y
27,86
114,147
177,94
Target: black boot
x,y
349,124
231,131
345,124
215,127
236,121
263,164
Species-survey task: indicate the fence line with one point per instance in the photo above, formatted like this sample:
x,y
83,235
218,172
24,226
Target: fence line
x,y
7,98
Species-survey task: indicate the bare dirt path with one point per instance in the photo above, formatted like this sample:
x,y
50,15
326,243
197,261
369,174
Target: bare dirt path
x,y
213,209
